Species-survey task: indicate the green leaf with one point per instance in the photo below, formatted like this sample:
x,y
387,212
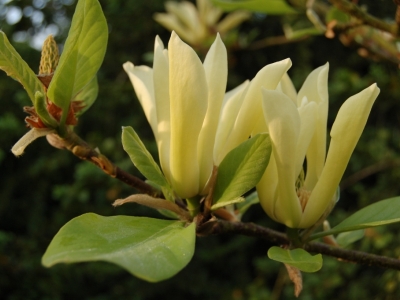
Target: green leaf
x,y
248,202
82,55
242,168
142,159
380,213
273,7
298,258
88,95
150,249
41,109
346,238
13,64
222,204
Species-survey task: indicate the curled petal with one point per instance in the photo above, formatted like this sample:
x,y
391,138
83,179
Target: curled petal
x,y
251,111
230,109
142,81
216,70
188,103
345,133
161,94
315,88
172,23
232,20
283,122
307,113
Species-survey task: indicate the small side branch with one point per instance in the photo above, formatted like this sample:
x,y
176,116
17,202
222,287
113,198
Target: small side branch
x,y
82,150
280,239
356,12
358,257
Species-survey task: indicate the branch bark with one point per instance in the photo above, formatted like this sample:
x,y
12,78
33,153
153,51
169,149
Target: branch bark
x,y
356,12
82,150
277,238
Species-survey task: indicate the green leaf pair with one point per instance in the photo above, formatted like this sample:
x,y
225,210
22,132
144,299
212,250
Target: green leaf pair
x,y
74,78
83,54
239,172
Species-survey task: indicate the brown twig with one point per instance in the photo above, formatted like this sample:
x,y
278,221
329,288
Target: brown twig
x,y
368,171
275,41
397,17
356,12
279,239
82,150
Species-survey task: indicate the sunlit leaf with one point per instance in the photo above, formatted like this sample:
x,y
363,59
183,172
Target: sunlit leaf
x,y
242,169
150,249
273,7
225,203
40,105
143,160
82,55
13,64
377,214
88,95
298,258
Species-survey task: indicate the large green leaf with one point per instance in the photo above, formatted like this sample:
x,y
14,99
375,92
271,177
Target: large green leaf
x,y
13,64
82,55
150,249
242,168
88,95
273,7
143,160
298,258
380,213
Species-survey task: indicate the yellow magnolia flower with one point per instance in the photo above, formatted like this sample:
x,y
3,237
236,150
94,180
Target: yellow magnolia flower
x,y
297,127
182,99
197,26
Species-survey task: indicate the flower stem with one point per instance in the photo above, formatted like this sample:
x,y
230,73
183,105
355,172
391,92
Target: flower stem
x,y
193,206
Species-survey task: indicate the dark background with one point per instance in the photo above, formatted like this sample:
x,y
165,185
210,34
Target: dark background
x,y
46,187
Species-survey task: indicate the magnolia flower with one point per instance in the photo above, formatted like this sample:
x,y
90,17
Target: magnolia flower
x,y
182,98
195,124
297,127
196,26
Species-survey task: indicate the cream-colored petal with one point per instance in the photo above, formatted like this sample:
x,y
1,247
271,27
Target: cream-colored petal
x,y
251,111
307,112
216,70
267,188
172,23
187,14
231,105
315,88
283,121
286,86
142,81
232,20
209,14
161,94
188,104
345,133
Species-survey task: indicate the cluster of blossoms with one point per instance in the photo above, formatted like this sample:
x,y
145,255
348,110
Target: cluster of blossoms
x,y
196,124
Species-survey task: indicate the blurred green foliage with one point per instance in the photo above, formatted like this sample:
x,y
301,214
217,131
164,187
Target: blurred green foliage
x,y
46,187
